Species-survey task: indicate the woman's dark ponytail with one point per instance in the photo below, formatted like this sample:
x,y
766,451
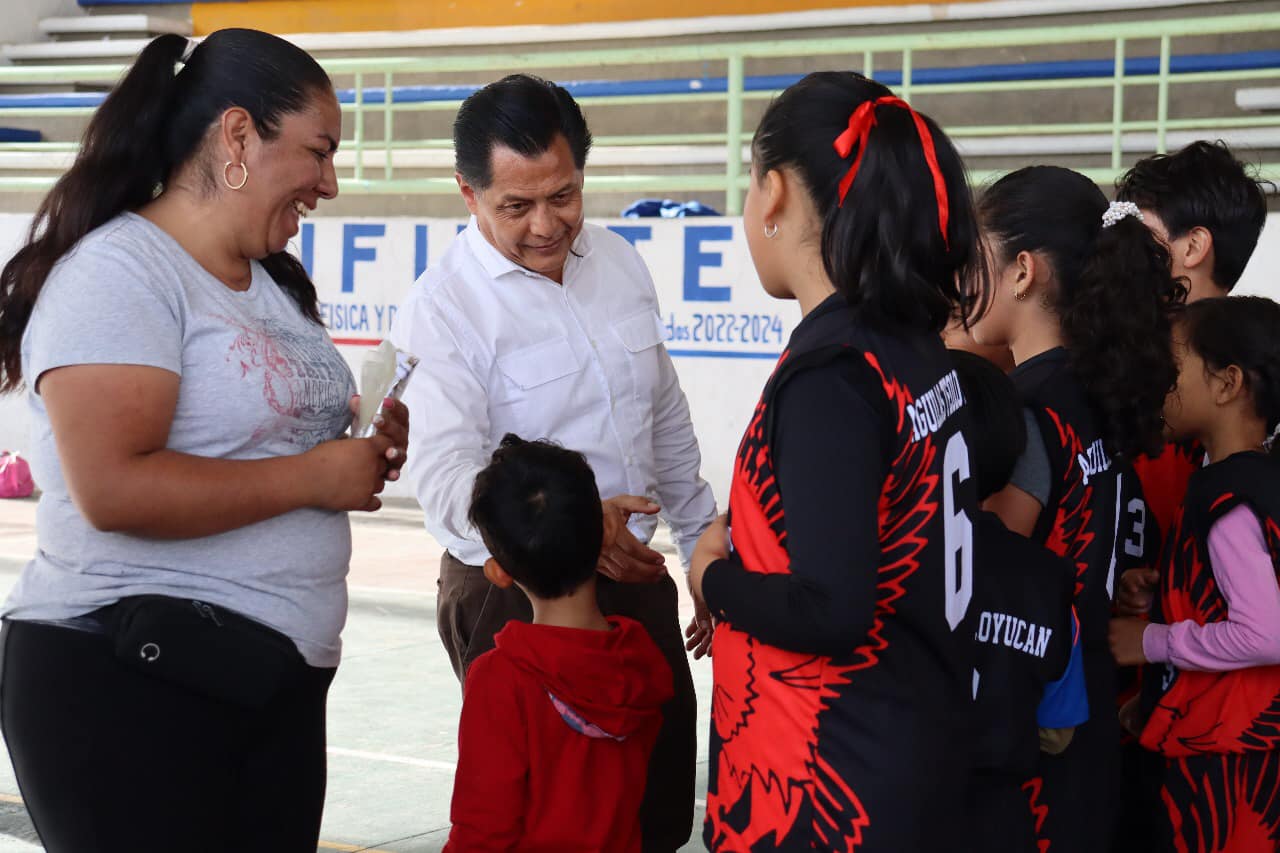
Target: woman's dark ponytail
x,y
118,168
1114,294
153,123
1241,330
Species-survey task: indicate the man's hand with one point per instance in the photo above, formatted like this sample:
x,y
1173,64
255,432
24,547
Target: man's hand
x,y
623,557
1136,591
1126,641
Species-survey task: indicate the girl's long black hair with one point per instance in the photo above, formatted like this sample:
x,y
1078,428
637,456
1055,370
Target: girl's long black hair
x,y
883,248
1114,294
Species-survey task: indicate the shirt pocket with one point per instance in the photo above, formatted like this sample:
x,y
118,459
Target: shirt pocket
x,y
640,334
543,363
640,331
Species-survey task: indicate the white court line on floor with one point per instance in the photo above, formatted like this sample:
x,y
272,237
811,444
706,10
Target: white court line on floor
x,y
429,763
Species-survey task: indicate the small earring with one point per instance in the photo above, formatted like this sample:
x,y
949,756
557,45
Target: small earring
x,y
1020,295
245,179
771,231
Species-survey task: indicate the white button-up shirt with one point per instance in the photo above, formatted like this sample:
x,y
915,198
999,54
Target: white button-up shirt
x,y
504,349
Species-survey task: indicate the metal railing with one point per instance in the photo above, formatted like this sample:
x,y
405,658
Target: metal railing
x,y
863,52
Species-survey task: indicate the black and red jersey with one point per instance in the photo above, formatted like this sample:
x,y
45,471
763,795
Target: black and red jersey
x,y
1023,633
1023,639
843,657
1073,794
1164,479
1213,712
1219,731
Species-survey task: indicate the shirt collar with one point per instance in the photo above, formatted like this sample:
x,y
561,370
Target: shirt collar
x,y
496,264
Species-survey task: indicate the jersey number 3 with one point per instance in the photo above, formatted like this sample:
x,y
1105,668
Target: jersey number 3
x,y
958,535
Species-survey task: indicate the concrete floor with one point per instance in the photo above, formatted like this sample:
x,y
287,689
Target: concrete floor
x,y
393,708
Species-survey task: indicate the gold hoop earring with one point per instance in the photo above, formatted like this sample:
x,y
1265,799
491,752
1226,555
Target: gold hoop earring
x,y
771,231
1020,296
244,180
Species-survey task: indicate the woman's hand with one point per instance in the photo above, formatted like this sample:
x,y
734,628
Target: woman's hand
x,y
712,545
349,473
392,422
1126,641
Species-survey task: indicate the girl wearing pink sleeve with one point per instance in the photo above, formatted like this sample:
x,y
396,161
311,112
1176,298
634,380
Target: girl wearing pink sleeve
x,y
1211,704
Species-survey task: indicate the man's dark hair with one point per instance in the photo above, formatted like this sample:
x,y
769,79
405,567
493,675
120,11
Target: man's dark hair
x,y
1203,185
999,432
538,511
523,113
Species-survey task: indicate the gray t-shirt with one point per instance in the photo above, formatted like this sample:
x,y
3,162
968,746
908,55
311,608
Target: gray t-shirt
x,y
1032,473
258,380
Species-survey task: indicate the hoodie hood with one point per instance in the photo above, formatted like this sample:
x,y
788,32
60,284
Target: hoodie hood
x,y
603,683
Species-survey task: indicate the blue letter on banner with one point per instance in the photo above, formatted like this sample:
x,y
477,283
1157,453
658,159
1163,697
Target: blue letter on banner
x,y
633,233
351,253
419,250
695,259
308,253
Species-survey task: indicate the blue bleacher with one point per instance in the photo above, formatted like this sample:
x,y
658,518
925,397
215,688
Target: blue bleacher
x,y
1076,69
14,134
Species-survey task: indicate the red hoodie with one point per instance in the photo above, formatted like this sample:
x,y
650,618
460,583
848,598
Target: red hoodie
x,y
553,746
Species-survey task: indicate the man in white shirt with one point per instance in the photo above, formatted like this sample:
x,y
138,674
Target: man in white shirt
x,y
539,324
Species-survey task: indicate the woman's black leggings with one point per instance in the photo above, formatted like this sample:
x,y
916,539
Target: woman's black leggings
x,y
110,760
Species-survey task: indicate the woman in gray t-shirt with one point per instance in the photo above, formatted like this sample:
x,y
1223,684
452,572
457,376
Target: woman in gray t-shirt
x,y
168,651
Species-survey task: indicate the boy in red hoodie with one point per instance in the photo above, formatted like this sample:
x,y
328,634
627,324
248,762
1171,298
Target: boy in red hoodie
x,y
559,719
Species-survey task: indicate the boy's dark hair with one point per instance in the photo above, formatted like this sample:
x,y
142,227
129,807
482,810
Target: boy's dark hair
x,y
1113,294
1241,330
883,248
521,112
999,430
538,511
1203,185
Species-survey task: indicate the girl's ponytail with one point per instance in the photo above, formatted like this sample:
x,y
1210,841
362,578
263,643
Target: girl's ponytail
x,y
1113,294
1116,320
119,166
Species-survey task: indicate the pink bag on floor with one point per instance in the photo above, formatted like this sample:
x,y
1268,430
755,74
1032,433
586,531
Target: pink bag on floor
x,y
15,476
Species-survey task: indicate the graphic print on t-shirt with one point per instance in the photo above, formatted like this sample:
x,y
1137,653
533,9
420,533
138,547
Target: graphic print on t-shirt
x,y
302,377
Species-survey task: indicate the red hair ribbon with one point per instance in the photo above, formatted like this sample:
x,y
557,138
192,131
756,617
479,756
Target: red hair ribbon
x,y
860,123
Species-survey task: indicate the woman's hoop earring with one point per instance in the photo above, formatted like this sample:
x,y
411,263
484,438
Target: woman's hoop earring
x,y
227,167
1020,296
771,231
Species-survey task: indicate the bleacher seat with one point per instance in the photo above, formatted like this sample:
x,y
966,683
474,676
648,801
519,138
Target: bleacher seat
x,y
14,134
113,25
1138,66
1262,98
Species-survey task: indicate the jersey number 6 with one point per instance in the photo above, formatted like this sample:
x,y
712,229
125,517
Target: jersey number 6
x,y
958,536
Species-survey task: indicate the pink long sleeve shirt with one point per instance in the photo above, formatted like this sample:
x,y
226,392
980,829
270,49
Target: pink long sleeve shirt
x,y
1246,577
